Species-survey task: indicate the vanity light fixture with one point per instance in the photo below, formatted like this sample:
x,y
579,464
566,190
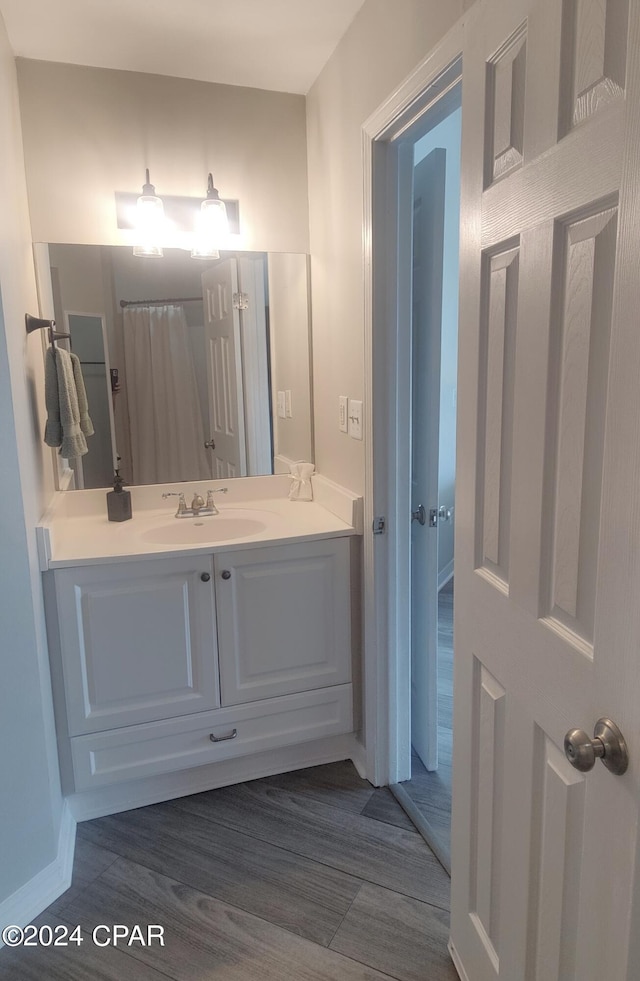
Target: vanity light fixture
x,y
212,227
149,222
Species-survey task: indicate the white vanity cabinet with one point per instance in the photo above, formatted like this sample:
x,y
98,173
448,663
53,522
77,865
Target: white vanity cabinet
x,y
283,619
164,664
137,641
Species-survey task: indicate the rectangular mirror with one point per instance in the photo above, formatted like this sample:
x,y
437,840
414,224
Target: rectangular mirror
x,y
194,369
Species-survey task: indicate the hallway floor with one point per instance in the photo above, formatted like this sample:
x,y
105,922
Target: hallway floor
x,y
431,792
309,876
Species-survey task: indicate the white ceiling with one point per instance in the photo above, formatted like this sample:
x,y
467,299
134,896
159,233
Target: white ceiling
x,y
269,44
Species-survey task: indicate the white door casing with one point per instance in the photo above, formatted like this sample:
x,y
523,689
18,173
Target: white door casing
x,y
427,270
388,139
224,370
547,619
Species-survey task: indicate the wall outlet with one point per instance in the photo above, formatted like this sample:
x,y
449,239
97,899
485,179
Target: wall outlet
x,y
282,407
287,403
355,419
343,403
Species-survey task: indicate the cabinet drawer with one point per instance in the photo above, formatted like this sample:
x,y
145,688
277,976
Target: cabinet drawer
x,y
159,747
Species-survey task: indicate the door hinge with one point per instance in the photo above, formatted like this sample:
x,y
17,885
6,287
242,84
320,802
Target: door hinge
x,y
379,526
240,301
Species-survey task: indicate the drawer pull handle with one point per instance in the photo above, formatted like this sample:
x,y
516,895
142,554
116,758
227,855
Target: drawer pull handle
x,y
222,739
205,577
226,574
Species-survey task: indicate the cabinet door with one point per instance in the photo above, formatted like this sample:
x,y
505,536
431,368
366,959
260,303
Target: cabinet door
x,y
283,619
138,641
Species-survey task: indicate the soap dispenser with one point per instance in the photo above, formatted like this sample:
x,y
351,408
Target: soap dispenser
x,y
118,500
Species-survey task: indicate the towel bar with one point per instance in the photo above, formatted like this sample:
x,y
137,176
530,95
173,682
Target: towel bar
x,y
38,323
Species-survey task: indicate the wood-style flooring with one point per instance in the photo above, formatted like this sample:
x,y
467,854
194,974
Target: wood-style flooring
x,y
431,792
309,876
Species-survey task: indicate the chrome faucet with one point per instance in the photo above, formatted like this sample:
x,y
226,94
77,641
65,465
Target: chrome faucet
x,y
197,503
198,507
211,504
182,511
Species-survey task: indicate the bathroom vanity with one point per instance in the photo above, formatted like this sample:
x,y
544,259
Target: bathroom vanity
x,y
185,657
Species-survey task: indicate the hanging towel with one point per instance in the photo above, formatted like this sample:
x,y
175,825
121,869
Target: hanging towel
x,y
53,428
85,420
63,424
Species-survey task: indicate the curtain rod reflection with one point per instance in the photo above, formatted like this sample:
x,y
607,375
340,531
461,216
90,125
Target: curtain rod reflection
x,y
148,303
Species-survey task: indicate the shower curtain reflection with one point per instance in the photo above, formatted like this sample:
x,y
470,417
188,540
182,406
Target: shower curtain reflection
x,y
165,418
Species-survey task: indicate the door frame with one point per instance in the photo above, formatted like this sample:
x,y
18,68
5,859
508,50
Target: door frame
x,y
255,366
387,310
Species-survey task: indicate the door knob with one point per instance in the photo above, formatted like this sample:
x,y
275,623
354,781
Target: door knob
x,y
209,444
419,515
226,574
608,744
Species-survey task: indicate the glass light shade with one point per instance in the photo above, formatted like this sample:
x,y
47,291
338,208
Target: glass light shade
x,y
149,223
212,229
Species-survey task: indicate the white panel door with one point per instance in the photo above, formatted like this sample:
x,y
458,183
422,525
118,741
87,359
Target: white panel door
x,y
255,367
224,370
426,329
547,620
138,641
284,619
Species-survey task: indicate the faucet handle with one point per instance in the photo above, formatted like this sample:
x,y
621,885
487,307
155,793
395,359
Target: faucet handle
x,y
182,504
214,490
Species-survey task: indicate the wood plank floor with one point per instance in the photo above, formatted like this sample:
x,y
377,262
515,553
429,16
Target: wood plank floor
x,y
431,792
308,876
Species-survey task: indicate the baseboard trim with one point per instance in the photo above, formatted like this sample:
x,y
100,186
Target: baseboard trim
x,y
27,902
422,825
457,963
152,790
359,758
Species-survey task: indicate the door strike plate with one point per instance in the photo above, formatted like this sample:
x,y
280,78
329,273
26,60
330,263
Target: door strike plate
x,y
379,525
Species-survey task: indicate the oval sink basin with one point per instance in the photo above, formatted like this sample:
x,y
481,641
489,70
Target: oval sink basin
x,y
199,531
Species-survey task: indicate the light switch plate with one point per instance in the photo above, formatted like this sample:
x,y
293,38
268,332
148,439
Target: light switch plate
x,y
355,419
287,403
343,403
282,408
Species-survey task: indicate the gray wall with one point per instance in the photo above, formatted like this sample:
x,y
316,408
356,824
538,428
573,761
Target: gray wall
x,y
30,799
384,43
89,132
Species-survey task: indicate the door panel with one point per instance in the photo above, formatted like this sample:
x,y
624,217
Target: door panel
x,y
547,623
578,389
505,107
499,300
557,838
428,257
488,776
594,45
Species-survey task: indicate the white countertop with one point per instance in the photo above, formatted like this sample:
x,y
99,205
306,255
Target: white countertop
x,y
76,531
